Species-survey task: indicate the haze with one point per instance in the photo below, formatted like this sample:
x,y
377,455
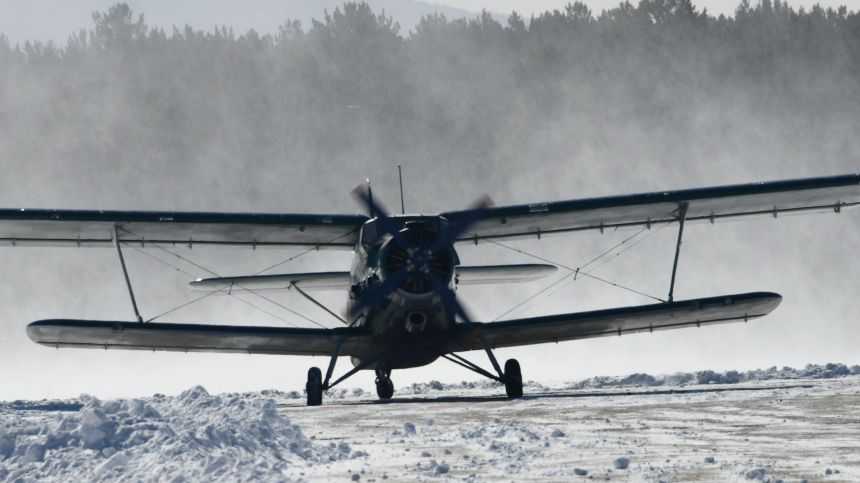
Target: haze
x,y
576,104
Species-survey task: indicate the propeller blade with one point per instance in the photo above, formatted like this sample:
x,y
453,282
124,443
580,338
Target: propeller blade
x,y
376,210
447,295
380,291
470,216
383,218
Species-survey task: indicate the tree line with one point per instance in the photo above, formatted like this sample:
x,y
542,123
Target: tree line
x,y
469,91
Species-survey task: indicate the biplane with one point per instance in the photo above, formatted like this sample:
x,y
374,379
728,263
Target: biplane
x,y
402,308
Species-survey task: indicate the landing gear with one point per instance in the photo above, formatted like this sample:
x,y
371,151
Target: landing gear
x,y
513,379
314,387
384,386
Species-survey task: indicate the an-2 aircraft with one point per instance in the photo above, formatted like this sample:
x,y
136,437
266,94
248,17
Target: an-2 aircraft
x,y
402,309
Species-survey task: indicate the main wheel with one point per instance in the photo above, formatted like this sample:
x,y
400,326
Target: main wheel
x,y
384,388
314,386
513,379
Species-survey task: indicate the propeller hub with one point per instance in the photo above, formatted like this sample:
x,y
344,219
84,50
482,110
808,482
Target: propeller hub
x,y
418,260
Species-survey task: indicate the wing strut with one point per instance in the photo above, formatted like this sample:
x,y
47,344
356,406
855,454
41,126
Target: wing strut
x,y
450,356
370,360
682,213
125,272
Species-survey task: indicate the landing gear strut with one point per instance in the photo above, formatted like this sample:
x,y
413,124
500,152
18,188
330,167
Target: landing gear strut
x,y
512,377
314,387
384,386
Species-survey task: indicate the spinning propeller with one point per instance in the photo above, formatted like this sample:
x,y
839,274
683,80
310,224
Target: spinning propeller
x,y
417,256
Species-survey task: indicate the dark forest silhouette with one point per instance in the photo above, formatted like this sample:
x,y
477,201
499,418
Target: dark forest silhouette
x,y
474,91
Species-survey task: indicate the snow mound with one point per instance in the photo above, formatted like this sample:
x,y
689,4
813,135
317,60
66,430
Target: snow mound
x,y
811,371
192,437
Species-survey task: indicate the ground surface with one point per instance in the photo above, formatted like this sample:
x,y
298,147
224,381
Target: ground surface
x,y
791,429
761,426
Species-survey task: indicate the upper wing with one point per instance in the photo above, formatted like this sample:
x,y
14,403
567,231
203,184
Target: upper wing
x,y
704,204
88,228
105,335
626,320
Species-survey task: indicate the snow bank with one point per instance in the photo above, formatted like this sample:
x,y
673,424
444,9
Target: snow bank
x,y
240,437
193,437
811,371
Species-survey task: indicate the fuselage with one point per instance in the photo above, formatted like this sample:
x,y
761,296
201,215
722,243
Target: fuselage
x,y
412,313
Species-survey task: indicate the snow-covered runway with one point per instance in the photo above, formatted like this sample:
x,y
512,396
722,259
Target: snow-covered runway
x,y
768,430
776,425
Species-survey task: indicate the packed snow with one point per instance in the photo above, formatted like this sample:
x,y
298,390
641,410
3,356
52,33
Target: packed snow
x,y
192,437
767,425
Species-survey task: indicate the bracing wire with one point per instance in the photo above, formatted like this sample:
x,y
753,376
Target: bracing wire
x,y
273,315
157,259
276,303
633,244
215,274
204,296
569,280
181,306
300,254
175,268
578,271
612,249
572,273
156,245
573,270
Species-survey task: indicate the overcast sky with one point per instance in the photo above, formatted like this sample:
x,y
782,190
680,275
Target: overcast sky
x,y
54,20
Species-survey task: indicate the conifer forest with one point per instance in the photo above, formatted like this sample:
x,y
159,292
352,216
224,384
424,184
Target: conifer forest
x,y
658,84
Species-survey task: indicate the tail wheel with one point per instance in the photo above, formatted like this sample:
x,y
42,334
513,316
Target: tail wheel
x,y
314,387
384,387
513,379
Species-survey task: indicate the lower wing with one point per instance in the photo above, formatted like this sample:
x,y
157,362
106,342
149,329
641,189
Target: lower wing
x,y
105,335
625,320
299,341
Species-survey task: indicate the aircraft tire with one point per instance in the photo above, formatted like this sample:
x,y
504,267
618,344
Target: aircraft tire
x,y
513,379
314,387
384,388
